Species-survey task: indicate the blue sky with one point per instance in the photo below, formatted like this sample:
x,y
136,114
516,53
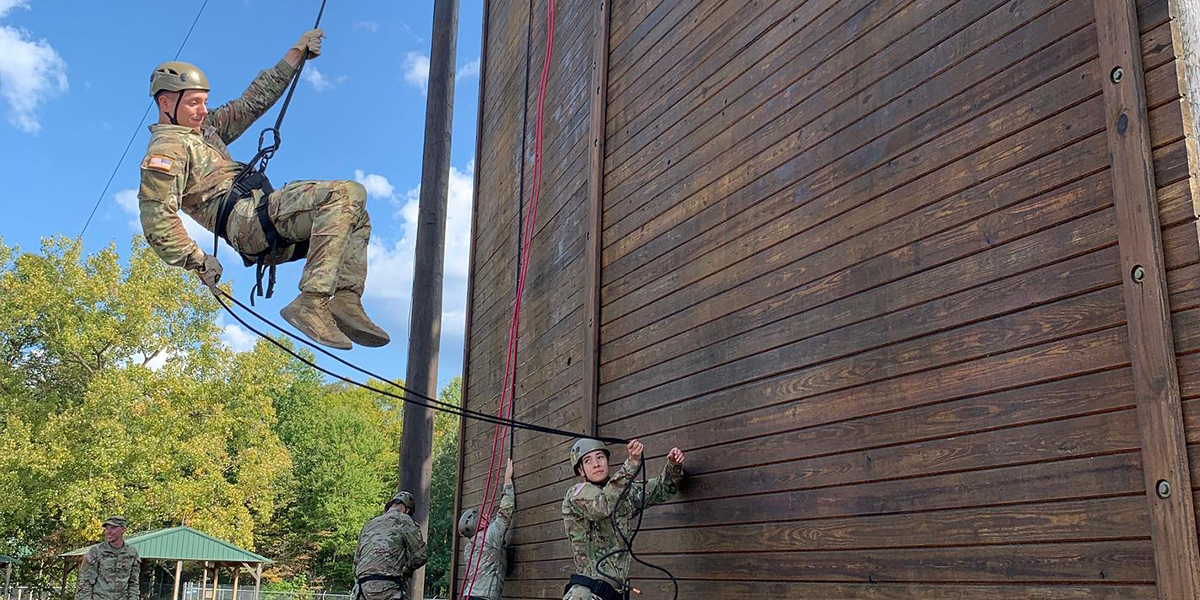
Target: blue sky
x,y
73,87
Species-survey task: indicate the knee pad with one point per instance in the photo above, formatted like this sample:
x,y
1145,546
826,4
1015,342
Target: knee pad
x,y
356,195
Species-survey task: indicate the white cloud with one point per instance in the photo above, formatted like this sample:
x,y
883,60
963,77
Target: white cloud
x,y
7,5
458,223
235,336
32,72
390,265
470,69
371,26
321,81
416,70
390,268
377,185
128,201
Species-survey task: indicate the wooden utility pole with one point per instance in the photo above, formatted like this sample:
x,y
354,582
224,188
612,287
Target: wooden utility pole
x,y
425,330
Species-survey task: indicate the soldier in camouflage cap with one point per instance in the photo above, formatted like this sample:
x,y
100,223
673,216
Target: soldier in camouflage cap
x,y
601,561
490,564
187,166
110,570
389,549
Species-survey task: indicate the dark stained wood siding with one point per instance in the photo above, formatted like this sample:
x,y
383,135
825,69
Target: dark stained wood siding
x,y
859,258
494,238
550,339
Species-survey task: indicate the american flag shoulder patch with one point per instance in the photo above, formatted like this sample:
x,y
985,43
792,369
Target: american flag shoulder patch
x,y
158,163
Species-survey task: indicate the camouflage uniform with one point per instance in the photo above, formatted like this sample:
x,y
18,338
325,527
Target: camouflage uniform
x,y
108,573
493,561
190,170
585,512
389,545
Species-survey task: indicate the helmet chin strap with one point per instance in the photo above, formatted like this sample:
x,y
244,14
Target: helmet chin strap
x,y
174,116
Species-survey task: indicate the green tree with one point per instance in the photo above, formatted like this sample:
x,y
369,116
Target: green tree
x,y
442,519
343,443
116,395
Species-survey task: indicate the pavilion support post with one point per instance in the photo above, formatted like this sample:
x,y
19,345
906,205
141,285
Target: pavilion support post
x,y
204,583
7,581
178,576
67,568
143,578
257,581
237,573
216,576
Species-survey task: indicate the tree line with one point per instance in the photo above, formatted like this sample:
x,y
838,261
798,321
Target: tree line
x,y
117,395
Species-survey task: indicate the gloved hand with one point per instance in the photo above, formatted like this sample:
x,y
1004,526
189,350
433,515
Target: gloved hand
x,y
310,43
210,271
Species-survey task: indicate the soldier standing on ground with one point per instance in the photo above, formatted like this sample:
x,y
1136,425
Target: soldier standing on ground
x,y
389,549
492,562
601,560
187,166
111,569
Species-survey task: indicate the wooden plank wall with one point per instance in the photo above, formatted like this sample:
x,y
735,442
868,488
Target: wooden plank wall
x,y
494,237
859,258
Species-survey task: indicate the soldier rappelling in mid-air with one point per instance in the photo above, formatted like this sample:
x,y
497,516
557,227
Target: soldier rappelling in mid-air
x,y
187,166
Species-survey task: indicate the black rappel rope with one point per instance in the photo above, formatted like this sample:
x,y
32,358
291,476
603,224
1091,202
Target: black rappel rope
x,y
265,152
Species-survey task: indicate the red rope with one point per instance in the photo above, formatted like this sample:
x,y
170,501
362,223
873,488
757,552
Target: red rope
x,y
491,491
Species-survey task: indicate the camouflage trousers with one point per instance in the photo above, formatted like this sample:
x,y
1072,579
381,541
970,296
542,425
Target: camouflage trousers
x,y
331,215
578,592
382,590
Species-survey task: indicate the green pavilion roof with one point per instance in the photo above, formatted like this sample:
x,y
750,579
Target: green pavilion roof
x,y
183,543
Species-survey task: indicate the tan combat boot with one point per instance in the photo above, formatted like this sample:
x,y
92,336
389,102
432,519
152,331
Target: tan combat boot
x,y
348,312
309,313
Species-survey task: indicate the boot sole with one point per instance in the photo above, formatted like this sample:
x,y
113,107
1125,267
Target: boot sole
x,y
362,338
308,332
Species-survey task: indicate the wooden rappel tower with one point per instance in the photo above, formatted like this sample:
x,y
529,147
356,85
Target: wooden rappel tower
x,y
916,283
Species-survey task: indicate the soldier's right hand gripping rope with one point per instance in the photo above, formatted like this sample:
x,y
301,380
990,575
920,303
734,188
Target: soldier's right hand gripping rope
x,y
210,271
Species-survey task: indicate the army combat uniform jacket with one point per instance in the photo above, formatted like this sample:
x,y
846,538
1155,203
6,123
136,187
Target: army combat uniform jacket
x,y
599,551
193,171
108,573
389,549
493,561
